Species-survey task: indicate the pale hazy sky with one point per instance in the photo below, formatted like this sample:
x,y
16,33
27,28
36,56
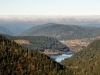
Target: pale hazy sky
x,y
50,7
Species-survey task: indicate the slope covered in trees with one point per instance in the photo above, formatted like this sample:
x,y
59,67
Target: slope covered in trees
x,y
87,61
39,43
62,32
17,61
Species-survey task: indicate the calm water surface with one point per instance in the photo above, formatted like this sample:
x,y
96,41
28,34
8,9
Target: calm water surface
x,y
59,58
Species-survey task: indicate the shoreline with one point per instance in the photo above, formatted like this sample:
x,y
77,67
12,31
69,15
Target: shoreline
x,y
54,53
58,53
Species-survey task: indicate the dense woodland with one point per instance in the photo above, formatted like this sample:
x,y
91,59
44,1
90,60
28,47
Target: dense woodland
x,y
40,43
87,61
14,60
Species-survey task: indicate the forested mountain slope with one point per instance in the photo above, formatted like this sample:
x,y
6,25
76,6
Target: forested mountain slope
x,y
87,61
39,43
17,61
62,32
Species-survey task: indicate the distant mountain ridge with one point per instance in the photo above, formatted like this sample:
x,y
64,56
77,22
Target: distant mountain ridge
x,y
62,32
11,30
16,30
4,30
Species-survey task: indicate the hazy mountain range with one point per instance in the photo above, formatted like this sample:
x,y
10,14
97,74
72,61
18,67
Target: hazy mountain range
x,y
27,22
11,29
58,31
5,31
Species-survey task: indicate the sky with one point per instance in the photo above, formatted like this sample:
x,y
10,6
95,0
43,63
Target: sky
x,y
50,7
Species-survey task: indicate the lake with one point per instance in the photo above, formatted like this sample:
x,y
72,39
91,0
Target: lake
x,y
59,58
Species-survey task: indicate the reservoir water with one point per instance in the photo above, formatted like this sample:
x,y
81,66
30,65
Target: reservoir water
x,y
59,58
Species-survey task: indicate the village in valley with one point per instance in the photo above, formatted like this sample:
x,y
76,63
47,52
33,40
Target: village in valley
x,y
76,45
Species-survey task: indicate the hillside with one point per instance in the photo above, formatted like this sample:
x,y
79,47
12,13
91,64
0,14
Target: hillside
x,y
87,61
17,61
3,30
15,30
40,43
15,27
62,32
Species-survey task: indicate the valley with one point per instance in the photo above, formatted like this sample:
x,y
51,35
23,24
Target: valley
x,y
15,60
74,36
86,61
83,62
77,52
76,45
49,37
